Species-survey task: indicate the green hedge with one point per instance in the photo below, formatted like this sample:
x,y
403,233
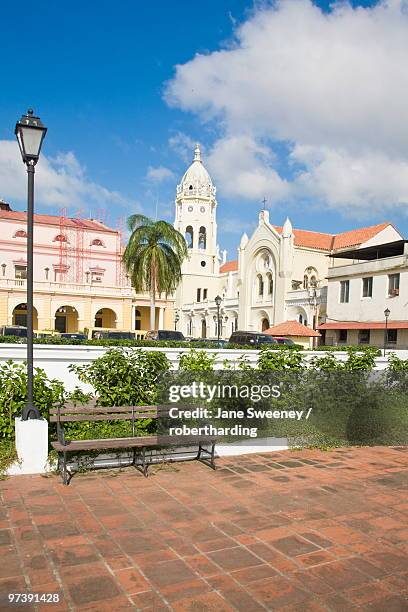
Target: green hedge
x,y
56,340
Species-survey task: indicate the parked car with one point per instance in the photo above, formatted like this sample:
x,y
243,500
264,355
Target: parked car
x,y
165,334
13,330
112,334
249,337
217,343
73,336
280,340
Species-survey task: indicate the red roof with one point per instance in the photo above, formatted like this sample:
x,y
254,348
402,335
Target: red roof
x,y
292,328
328,242
87,224
365,325
321,241
229,266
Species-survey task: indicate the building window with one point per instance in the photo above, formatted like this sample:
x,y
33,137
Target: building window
x,y
97,242
189,236
392,335
202,238
20,234
344,291
270,283
260,285
393,285
342,336
60,238
20,272
198,295
96,277
364,336
205,294
138,320
368,286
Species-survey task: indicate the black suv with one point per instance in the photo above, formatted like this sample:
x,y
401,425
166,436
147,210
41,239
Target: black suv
x,y
165,334
248,337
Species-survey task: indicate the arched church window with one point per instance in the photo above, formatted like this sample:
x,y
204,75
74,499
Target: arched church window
x,y
202,238
189,236
313,281
300,318
270,283
191,188
305,281
260,285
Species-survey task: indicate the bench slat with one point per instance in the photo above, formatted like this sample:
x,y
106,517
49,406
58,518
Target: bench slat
x,y
147,441
101,417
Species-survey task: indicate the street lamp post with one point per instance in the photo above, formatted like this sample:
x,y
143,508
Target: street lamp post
x,y
386,315
30,134
314,301
218,301
176,320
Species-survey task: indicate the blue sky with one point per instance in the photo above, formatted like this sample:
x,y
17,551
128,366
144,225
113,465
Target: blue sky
x,y
121,121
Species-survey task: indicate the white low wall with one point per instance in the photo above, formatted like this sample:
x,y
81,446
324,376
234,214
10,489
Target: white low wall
x,y
55,359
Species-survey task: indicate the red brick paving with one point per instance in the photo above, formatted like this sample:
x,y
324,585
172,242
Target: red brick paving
x,y
302,530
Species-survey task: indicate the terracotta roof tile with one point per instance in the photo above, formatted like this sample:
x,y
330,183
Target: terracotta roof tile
x,y
327,242
88,224
229,266
365,325
291,328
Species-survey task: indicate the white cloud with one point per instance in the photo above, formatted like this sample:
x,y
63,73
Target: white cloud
x,y
159,174
60,181
243,168
332,86
183,145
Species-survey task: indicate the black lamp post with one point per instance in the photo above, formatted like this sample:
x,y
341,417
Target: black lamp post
x,y
176,320
314,301
30,134
386,315
218,301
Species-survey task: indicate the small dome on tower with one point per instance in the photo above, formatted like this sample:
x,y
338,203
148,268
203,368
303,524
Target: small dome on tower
x,y
196,180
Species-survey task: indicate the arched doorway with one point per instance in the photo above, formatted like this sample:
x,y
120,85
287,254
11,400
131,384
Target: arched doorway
x,y
66,319
20,316
203,328
105,317
265,324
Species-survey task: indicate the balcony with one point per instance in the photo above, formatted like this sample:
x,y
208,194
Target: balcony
x,y
301,296
48,287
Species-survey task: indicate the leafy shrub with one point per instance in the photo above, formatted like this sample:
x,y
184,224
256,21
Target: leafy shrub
x,y
122,377
13,394
197,361
361,348
270,359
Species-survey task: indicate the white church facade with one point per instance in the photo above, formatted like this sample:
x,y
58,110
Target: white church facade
x,y
280,274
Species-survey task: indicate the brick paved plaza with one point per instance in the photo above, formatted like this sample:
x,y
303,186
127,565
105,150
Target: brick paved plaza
x,y
305,530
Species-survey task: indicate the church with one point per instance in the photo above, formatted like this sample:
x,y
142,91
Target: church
x,y
278,281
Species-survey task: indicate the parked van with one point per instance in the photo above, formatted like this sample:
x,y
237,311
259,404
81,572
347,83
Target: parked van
x,y
249,337
13,330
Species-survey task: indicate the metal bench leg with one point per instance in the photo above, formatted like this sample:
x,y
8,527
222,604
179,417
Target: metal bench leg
x,y
64,470
213,455
144,464
199,452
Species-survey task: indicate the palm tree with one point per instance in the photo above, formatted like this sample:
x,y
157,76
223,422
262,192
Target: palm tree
x,y
153,258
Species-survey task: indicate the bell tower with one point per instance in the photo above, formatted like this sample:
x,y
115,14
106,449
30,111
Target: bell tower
x,y
196,206
195,219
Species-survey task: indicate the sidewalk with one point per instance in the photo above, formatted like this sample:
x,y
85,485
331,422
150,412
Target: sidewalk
x,y
304,530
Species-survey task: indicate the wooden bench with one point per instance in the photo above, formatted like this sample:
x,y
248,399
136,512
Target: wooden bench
x,y
71,413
